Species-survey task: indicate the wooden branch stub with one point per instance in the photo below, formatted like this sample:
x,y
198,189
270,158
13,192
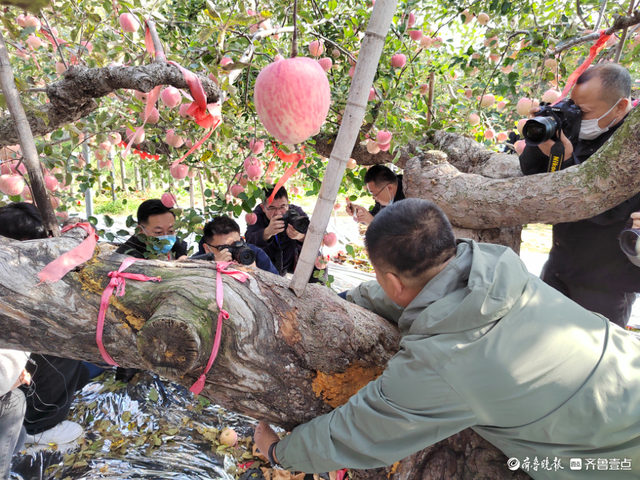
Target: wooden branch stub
x,y
174,340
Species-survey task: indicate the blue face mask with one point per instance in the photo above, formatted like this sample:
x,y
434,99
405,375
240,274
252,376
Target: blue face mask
x,y
166,248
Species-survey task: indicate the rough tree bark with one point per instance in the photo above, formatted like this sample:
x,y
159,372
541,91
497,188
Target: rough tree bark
x,y
73,97
282,358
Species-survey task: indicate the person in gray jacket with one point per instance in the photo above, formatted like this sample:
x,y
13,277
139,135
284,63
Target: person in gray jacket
x,y
485,345
12,406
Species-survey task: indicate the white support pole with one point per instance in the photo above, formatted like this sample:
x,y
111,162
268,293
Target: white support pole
x,y
366,67
88,194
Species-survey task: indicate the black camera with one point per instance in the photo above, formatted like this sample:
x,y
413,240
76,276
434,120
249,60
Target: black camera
x,y
297,221
566,116
240,252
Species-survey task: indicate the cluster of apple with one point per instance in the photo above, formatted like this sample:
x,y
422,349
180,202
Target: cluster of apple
x,y
381,143
12,173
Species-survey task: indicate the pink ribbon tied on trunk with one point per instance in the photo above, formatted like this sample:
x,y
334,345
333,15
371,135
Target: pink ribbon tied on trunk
x,y
223,315
117,283
66,262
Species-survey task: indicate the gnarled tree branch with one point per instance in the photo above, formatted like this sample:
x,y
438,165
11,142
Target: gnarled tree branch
x,y
74,97
611,176
620,23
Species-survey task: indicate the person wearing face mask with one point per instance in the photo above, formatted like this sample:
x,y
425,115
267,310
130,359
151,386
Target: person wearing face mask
x,y
154,220
585,262
384,186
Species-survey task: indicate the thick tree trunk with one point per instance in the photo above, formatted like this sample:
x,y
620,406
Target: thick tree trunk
x,y
282,358
465,155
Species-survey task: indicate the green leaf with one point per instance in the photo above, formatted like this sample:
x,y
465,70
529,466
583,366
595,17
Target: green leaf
x,y
205,34
108,221
93,221
349,249
153,395
11,27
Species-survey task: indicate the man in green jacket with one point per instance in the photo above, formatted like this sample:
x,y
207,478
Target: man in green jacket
x,y
484,345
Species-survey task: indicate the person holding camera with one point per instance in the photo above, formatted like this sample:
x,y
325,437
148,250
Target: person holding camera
x,y
221,238
280,231
585,262
384,186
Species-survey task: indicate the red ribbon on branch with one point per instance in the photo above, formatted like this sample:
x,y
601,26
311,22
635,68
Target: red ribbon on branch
x,y
593,51
294,159
223,315
66,262
206,115
117,282
140,153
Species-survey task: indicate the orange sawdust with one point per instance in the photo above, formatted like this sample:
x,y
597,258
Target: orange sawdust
x,y
394,468
337,388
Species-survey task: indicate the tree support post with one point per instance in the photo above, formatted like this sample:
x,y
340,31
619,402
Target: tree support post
x,y
88,194
27,143
366,66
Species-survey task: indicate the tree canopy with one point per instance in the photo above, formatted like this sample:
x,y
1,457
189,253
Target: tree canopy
x,y
84,76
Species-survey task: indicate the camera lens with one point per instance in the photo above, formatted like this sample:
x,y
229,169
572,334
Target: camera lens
x,y
538,130
630,242
245,256
301,224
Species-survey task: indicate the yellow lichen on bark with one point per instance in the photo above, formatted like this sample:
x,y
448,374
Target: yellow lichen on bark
x,y
89,282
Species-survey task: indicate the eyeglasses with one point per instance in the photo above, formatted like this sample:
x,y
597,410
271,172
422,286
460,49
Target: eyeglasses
x,y
281,208
379,191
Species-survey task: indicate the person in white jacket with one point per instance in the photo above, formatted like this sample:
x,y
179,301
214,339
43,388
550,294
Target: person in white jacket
x,y
12,406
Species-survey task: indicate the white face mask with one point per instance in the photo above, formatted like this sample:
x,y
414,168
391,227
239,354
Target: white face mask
x,y
589,129
392,199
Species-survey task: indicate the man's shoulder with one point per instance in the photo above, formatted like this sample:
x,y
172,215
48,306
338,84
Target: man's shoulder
x,y
263,261
133,247
298,209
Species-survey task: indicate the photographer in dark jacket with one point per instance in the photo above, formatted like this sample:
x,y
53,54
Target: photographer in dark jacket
x,y
586,263
282,245
223,231
384,186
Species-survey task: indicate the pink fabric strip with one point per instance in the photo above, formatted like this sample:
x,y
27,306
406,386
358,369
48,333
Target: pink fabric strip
x,y
66,262
195,86
223,315
117,282
593,51
207,116
194,148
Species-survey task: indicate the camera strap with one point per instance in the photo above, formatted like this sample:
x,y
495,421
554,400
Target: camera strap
x,y
556,157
